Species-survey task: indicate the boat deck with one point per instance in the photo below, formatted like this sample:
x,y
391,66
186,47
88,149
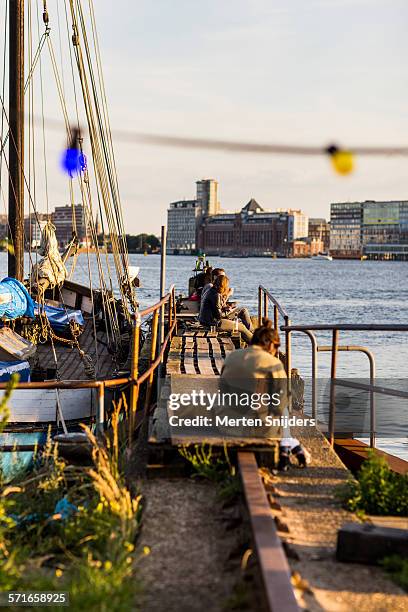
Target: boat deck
x,y
70,364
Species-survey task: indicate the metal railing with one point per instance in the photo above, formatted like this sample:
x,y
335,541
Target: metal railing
x,y
264,296
156,357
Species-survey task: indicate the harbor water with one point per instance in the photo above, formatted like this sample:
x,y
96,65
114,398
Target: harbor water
x,y
312,292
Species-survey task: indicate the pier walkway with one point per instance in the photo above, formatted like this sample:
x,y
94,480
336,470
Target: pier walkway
x,y
298,512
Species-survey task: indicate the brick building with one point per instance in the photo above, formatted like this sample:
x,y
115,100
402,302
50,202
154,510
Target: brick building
x,y
252,231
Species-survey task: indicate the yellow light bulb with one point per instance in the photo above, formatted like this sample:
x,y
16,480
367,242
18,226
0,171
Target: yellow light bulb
x,y
343,162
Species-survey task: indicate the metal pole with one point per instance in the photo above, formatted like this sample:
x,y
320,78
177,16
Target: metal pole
x,y
259,305
162,279
371,360
100,415
332,413
315,348
174,309
288,363
266,306
287,347
16,139
134,372
373,423
275,316
153,347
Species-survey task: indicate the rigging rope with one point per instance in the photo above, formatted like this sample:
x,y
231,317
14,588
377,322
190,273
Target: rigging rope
x,y
100,148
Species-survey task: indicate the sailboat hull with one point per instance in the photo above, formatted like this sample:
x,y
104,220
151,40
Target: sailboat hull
x,y
34,415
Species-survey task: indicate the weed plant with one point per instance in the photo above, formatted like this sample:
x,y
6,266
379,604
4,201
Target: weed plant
x,y
397,567
210,466
69,528
377,490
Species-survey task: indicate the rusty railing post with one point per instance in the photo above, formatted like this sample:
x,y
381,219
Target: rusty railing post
x,y
259,305
373,423
275,317
332,414
134,372
288,358
265,306
162,279
153,347
170,309
175,308
100,411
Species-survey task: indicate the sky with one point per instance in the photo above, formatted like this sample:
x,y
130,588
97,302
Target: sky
x,y
289,71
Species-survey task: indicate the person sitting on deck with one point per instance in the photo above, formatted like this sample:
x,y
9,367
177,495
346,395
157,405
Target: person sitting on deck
x,y
230,310
201,280
211,309
247,368
209,280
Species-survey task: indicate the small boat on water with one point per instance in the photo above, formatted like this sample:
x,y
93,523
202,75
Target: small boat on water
x,y
322,257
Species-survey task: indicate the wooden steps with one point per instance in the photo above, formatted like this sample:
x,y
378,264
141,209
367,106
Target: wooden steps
x,y
198,353
194,363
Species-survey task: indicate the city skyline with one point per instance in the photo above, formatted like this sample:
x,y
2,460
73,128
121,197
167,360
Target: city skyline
x,y
302,73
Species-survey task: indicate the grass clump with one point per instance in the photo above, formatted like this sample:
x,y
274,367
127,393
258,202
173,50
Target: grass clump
x,y
214,467
397,567
69,528
378,490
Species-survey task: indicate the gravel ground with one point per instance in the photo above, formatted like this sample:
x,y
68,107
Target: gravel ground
x,y
313,516
188,569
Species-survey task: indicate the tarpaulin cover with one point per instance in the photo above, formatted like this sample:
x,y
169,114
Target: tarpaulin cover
x,y
15,301
59,318
7,368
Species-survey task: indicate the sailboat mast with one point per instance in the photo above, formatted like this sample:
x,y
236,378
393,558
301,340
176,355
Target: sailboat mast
x,y
16,139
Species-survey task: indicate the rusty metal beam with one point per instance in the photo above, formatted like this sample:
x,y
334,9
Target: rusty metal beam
x,y
272,560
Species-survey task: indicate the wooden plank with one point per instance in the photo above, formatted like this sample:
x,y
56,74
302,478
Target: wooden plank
x,y
217,356
40,405
202,343
189,360
205,366
272,560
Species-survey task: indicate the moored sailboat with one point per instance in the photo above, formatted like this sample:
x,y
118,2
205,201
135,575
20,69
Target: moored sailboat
x,y
59,337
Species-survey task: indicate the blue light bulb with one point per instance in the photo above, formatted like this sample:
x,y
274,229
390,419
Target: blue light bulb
x,y
73,161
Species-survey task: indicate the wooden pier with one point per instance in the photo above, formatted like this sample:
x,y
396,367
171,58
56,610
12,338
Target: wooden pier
x,y
293,517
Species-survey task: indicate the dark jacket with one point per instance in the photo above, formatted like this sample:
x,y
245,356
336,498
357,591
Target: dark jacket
x,y
210,308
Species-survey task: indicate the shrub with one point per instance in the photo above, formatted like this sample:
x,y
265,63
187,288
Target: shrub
x,y
397,567
71,528
377,490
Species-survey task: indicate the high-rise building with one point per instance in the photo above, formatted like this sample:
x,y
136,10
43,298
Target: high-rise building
x,y
298,224
385,229
377,230
207,197
345,229
182,222
33,226
64,218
